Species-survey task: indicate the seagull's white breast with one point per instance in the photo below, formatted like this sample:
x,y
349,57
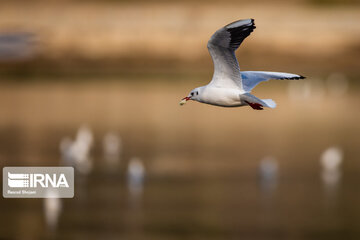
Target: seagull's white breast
x,y
227,97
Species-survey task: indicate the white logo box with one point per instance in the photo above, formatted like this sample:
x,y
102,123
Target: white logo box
x,y
38,182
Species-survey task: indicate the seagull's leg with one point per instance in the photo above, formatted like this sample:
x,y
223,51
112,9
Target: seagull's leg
x,y
256,106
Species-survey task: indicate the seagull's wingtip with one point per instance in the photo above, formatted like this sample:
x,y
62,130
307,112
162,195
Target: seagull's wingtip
x,y
253,22
296,78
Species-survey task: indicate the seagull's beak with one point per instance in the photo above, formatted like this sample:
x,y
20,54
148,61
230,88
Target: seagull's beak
x,y
183,101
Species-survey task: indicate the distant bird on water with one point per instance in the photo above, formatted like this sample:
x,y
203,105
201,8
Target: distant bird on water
x,y
229,86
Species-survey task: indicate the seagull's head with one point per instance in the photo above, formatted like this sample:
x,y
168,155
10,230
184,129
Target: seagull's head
x,y
194,95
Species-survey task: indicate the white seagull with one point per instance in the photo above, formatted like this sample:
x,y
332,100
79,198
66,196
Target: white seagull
x,y
229,86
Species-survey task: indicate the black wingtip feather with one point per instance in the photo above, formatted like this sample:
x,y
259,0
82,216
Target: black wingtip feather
x,y
238,34
292,78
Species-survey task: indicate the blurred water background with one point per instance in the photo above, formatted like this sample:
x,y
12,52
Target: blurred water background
x,y
96,85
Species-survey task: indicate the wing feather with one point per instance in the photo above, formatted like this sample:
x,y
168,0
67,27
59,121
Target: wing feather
x,y
222,46
252,78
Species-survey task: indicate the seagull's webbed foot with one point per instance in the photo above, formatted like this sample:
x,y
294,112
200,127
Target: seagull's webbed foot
x,y
256,106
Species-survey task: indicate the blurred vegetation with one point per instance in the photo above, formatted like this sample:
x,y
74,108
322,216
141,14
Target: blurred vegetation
x,y
127,38
334,3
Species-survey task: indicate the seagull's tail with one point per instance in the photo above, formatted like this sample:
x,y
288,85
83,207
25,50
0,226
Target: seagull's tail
x,y
257,103
269,103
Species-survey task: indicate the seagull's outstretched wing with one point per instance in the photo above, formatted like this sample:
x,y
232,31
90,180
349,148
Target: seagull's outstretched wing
x,y
252,78
222,46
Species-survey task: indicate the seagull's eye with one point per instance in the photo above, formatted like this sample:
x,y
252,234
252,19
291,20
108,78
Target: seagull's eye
x,y
197,93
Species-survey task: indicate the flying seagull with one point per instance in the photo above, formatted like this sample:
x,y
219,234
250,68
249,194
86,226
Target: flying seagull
x,y
229,86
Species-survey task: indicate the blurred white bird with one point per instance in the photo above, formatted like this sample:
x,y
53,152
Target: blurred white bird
x,y
268,173
135,176
77,153
52,209
112,147
229,87
331,160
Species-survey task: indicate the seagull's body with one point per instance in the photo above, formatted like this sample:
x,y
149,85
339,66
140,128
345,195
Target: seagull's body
x,y
229,86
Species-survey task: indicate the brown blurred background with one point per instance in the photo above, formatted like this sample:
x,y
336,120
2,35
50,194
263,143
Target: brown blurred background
x,y
112,73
